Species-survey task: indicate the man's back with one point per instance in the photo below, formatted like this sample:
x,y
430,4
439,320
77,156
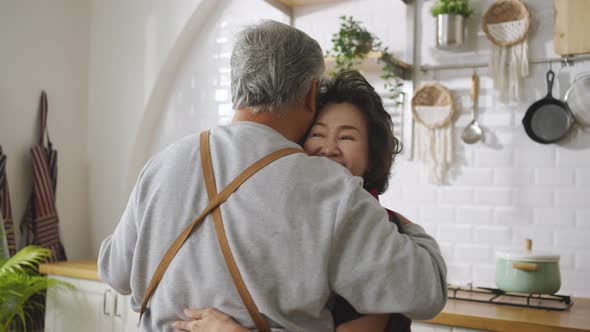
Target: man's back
x,y
283,226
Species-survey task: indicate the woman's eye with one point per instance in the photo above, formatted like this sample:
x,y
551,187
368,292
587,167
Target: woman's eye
x,y
347,138
315,135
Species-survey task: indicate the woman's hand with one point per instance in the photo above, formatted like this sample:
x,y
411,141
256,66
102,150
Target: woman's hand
x,y
208,320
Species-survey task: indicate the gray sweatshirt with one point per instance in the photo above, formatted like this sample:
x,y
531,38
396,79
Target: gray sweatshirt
x,y
301,230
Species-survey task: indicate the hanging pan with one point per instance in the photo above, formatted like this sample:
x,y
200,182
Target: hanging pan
x,y
577,99
548,120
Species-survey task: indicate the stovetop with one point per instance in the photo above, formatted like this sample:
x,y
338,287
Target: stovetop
x,y
496,296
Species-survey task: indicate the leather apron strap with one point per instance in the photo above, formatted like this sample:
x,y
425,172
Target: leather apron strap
x,y
260,322
214,201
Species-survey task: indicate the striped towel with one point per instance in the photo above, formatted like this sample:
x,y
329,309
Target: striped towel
x,y
40,222
39,225
7,237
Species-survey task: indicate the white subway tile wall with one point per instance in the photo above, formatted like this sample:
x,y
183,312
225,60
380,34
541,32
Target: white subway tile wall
x,y
498,192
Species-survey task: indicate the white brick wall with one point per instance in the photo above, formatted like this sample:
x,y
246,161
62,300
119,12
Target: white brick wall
x,y
555,176
583,177
475,254
573,198
455,233
548,217
583,219
497,235
473,176
583,261
507,188
573,158
475,215
455,196
438,214
513,216
494,196
575,239
513,176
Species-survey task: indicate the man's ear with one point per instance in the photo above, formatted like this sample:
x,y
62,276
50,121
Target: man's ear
x,y
311,97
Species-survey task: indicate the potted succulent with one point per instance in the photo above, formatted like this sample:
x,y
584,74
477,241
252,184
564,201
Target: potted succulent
x,y
20,285
450,18
352,43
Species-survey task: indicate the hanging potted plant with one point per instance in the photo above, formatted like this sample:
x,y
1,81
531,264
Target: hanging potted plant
x,y
352,43
450,18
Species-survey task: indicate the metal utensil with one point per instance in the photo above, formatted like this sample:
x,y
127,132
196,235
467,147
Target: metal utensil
x,y
473,133
548,120
577,99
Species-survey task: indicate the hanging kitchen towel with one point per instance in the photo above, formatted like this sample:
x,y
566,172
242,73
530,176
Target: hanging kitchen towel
x,y
7,237
507,24
40,222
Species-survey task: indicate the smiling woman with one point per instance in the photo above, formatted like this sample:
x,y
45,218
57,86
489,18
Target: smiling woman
x,y
350,101
340,133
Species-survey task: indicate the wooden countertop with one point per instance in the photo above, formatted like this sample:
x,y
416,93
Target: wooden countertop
x,y
82,269
456,313
495,317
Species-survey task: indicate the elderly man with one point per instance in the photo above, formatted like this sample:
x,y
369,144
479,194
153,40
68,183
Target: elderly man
x,y
298,231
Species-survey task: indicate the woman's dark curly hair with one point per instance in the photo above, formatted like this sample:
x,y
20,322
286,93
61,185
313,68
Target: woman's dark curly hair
x,y
351,87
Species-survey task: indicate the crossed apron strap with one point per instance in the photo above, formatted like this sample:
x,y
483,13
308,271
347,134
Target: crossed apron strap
x,y
214,201
260,322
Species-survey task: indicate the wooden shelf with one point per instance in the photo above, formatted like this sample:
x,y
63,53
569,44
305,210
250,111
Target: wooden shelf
x,y
372,63
298,3
286,6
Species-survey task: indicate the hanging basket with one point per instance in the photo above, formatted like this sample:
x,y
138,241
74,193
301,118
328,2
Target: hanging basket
x,y
433,105
507,22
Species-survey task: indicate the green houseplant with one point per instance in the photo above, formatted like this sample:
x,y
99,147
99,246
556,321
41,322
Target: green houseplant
x,y
351,45
450,18
19,282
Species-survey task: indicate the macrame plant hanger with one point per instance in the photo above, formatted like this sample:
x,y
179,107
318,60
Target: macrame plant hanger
x,y
506,24
433,109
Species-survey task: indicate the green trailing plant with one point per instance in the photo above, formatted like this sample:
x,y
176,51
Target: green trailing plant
x,y
351,45
19,282
451,7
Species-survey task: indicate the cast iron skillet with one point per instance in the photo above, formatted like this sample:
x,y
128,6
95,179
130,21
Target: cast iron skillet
x,y
548,120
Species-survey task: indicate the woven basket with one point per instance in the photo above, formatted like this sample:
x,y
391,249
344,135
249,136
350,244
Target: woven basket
x,y
505,11
436,101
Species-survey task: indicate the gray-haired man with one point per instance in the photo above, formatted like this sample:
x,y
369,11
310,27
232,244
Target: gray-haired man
x,y
301,229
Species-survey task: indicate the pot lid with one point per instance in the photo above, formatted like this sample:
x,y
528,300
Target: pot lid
x,y
528,256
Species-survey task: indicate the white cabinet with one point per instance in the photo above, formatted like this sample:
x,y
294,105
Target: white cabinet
x,y
424,327
91,306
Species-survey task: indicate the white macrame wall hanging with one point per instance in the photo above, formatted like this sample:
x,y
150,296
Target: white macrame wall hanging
x,y
433,109
507,24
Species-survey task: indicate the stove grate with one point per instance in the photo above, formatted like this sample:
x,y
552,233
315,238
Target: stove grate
x,y
496,296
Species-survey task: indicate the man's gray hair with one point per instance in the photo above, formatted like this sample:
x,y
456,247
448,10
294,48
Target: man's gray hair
x,y
273,64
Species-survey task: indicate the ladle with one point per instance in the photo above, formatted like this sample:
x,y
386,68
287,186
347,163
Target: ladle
x,y
473,133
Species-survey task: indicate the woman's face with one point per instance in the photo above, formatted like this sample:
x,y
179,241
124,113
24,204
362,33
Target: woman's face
x,y
340,133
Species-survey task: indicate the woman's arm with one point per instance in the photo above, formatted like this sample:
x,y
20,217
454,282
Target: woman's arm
x,y
208,320
368,323
213,320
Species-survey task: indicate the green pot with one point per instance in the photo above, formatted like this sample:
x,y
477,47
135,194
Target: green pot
x,y
528,272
